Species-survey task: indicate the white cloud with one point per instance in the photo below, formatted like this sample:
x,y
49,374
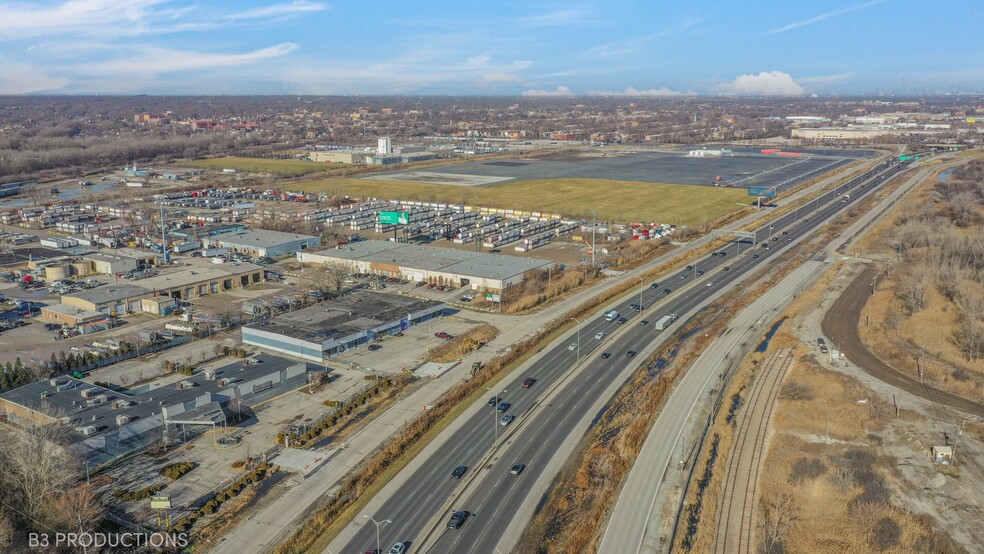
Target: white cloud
x,y
571,16
772,83
559,91
822,17
279,10
122,18
156,61
632,91
18,78
501,78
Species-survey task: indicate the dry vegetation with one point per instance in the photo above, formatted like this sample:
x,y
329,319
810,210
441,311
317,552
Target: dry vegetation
x,y
930,305
463,344
545,287
835,495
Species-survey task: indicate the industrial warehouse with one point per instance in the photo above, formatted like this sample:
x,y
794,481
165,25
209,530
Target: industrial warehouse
x,y
441,266
320,331
110,424
260,242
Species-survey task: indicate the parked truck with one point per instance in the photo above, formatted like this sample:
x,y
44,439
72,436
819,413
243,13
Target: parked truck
x,y
665,321
213,252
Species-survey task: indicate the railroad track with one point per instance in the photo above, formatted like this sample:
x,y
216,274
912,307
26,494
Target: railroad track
x,y
737,506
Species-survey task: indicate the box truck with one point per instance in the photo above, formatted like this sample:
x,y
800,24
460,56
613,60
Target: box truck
x,y
665,321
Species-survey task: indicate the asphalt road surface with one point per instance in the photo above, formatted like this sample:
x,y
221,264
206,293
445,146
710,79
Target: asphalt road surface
x,y
840,325
495,496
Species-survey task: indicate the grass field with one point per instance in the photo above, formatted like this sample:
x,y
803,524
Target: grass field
x,y
614,200
279,167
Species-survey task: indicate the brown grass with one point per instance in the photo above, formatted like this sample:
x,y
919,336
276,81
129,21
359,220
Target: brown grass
x,y
463,344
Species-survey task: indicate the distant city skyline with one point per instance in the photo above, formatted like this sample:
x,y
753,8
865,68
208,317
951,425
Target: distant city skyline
x,y
630,48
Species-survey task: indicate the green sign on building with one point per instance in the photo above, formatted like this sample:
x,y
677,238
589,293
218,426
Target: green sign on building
x,y
394,218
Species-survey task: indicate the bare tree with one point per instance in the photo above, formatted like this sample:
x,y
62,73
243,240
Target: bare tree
x,y
38,193
970,334
37,466
77,509
330,279
779,516
865,515
912,289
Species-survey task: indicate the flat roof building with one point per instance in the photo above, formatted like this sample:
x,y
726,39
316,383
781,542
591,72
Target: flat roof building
x,y
442,266
260,242
111,423
323,330
71,315
203,279
109,299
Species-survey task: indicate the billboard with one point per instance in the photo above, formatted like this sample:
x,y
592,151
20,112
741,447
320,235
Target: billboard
x,y
160,502
769,192
394,218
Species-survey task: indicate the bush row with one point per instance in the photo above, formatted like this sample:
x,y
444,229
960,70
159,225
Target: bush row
x,y
126,496
345,410
176,470
260,472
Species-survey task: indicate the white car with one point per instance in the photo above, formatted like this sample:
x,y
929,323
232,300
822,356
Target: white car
x,y
398,548
600,335
572,347
710,284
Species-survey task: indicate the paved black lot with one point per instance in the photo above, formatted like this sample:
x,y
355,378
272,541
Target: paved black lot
x,y
742,169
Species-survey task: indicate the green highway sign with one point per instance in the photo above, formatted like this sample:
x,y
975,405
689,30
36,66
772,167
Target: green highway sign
x,y
394,218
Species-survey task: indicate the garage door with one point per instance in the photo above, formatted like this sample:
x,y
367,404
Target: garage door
x,y
418,276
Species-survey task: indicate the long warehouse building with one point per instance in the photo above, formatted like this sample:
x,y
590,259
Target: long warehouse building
x,y
429,264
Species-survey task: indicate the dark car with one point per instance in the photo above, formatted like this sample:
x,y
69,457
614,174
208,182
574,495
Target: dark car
x,y
516,469
504,407
630,353
528,382
654,286
690,268
755,256
493,401
458,519
374,347
458,472
785,232
725,268
606,355
644,323
622,320
775,238
700,272
667,291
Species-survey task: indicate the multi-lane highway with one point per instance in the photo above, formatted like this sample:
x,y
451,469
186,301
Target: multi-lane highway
x,y
495,495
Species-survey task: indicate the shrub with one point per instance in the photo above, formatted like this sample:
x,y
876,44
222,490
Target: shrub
x,y
886,534
177,470
186,370
238,464
805,469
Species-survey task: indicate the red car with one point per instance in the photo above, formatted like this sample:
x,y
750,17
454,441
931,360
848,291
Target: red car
x,y
528,382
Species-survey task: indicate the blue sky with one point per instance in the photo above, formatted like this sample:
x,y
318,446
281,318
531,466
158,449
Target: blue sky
x,y
503,47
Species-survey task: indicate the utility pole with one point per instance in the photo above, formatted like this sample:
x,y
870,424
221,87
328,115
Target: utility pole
x,y
594,225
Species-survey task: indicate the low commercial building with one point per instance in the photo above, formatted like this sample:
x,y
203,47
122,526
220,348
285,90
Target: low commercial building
x,y
324,330
109,424
342,156
261,242
71,315
111,300
202,279
111,264
430,264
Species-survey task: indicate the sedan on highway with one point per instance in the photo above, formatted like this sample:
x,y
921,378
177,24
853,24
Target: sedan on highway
x,y
667,291
630,354
516,469
504,407
654,286
528,382
572,347
725,268
398,548
459,472
458,519
622,320
606,355
600,335
710,284
507,419
644,322
493,401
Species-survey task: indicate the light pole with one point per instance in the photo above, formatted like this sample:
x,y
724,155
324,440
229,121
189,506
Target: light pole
x,y
378,525
578,327
495,426
641,289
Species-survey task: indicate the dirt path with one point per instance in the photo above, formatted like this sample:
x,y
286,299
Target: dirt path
x,y
736,522
840,325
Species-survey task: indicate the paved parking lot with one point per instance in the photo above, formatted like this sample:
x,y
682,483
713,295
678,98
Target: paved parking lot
x,y
403,353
